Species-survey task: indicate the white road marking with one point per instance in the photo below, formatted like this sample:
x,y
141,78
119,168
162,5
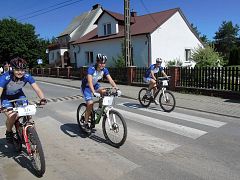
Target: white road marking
x,y
185,117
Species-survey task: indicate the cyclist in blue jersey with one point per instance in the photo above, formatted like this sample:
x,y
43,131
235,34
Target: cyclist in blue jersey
x,y
150,78
90,86
11,84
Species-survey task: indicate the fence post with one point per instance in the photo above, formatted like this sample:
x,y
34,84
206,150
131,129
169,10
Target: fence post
x,y
69,72
57,72
49,71
175,77
43,72
131,71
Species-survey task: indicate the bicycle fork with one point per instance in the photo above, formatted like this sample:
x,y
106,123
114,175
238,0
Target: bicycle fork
x,y
26,139
108,119
165,97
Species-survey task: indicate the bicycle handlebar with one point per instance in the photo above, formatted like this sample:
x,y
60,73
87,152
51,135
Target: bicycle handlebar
x,y
109,92
164,78
2,109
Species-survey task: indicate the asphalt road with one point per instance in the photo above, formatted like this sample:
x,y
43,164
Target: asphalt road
x,y
183,144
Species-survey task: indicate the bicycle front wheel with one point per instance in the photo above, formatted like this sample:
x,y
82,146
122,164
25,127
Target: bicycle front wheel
x,y
144,100
80,114
17,139
37,157
167,101
114,128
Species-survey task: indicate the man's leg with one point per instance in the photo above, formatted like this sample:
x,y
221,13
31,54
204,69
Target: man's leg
x,y
11,118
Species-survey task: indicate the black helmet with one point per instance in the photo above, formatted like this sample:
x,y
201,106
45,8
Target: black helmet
x,y
18,63
99,57
158,60
104,59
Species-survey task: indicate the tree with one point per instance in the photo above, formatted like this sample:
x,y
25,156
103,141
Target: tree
x,y
234,56
207,57
17,39
226,38
203,38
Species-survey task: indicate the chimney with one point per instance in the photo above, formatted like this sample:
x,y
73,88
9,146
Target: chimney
x,y
96,6
133,13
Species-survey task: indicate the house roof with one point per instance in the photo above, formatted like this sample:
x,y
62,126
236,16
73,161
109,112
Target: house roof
x,y
139,25
74,24
119,17
81,21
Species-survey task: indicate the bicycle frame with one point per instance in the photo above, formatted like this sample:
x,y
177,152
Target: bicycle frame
x,y
27,124
158,89
104,109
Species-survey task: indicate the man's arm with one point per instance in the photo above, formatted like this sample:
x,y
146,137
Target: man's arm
x,y
111,81
153,76
90,82
1,91
37,90
164,74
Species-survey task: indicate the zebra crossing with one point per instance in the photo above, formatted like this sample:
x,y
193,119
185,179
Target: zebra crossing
x,y
150,142
68,155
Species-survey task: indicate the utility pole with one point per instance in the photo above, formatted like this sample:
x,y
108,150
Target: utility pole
x,y
127,39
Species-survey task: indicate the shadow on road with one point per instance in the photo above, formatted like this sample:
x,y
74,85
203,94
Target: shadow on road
x,y
138,106
8,151
233,101
73,130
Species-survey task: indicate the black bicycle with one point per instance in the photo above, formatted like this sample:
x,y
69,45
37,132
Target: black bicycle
x,y
166,99
113,124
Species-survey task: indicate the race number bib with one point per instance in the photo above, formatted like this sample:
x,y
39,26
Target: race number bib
x,y
26,110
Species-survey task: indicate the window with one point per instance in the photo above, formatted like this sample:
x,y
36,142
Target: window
x,y
107,29
89,57
188,54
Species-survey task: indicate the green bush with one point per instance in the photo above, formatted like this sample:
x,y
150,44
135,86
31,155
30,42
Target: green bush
x,y
207,57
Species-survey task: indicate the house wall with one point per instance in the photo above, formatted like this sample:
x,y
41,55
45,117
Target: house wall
x,y
140,50
110,48
107,19
171,39
55,55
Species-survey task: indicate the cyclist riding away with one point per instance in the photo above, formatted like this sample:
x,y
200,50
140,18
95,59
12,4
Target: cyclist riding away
x,y
150,78
90,86
11,84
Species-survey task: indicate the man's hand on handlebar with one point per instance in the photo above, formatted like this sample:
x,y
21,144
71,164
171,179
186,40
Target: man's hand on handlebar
x,y
43,101
96,94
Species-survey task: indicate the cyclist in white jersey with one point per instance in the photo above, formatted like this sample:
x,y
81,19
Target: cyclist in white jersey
x,y
150,78
11,84
90,86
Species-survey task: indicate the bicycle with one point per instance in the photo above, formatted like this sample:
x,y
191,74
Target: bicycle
x,y
166,99
112,120
24,133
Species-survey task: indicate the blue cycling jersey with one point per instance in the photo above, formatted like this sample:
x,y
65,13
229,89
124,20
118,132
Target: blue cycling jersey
x,y
96,75
153,68
12,87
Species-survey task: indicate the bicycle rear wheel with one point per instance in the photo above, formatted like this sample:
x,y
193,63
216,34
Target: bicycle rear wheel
x,y
114,128
37,157
144,100
167,101
80,114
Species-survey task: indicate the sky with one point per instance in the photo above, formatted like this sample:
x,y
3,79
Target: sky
x,y
206,15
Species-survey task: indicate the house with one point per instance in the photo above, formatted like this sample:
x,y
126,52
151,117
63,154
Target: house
x,y
59,53
166,34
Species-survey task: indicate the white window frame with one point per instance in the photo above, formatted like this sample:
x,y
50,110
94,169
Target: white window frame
x,y
89,57
188,54
107,29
